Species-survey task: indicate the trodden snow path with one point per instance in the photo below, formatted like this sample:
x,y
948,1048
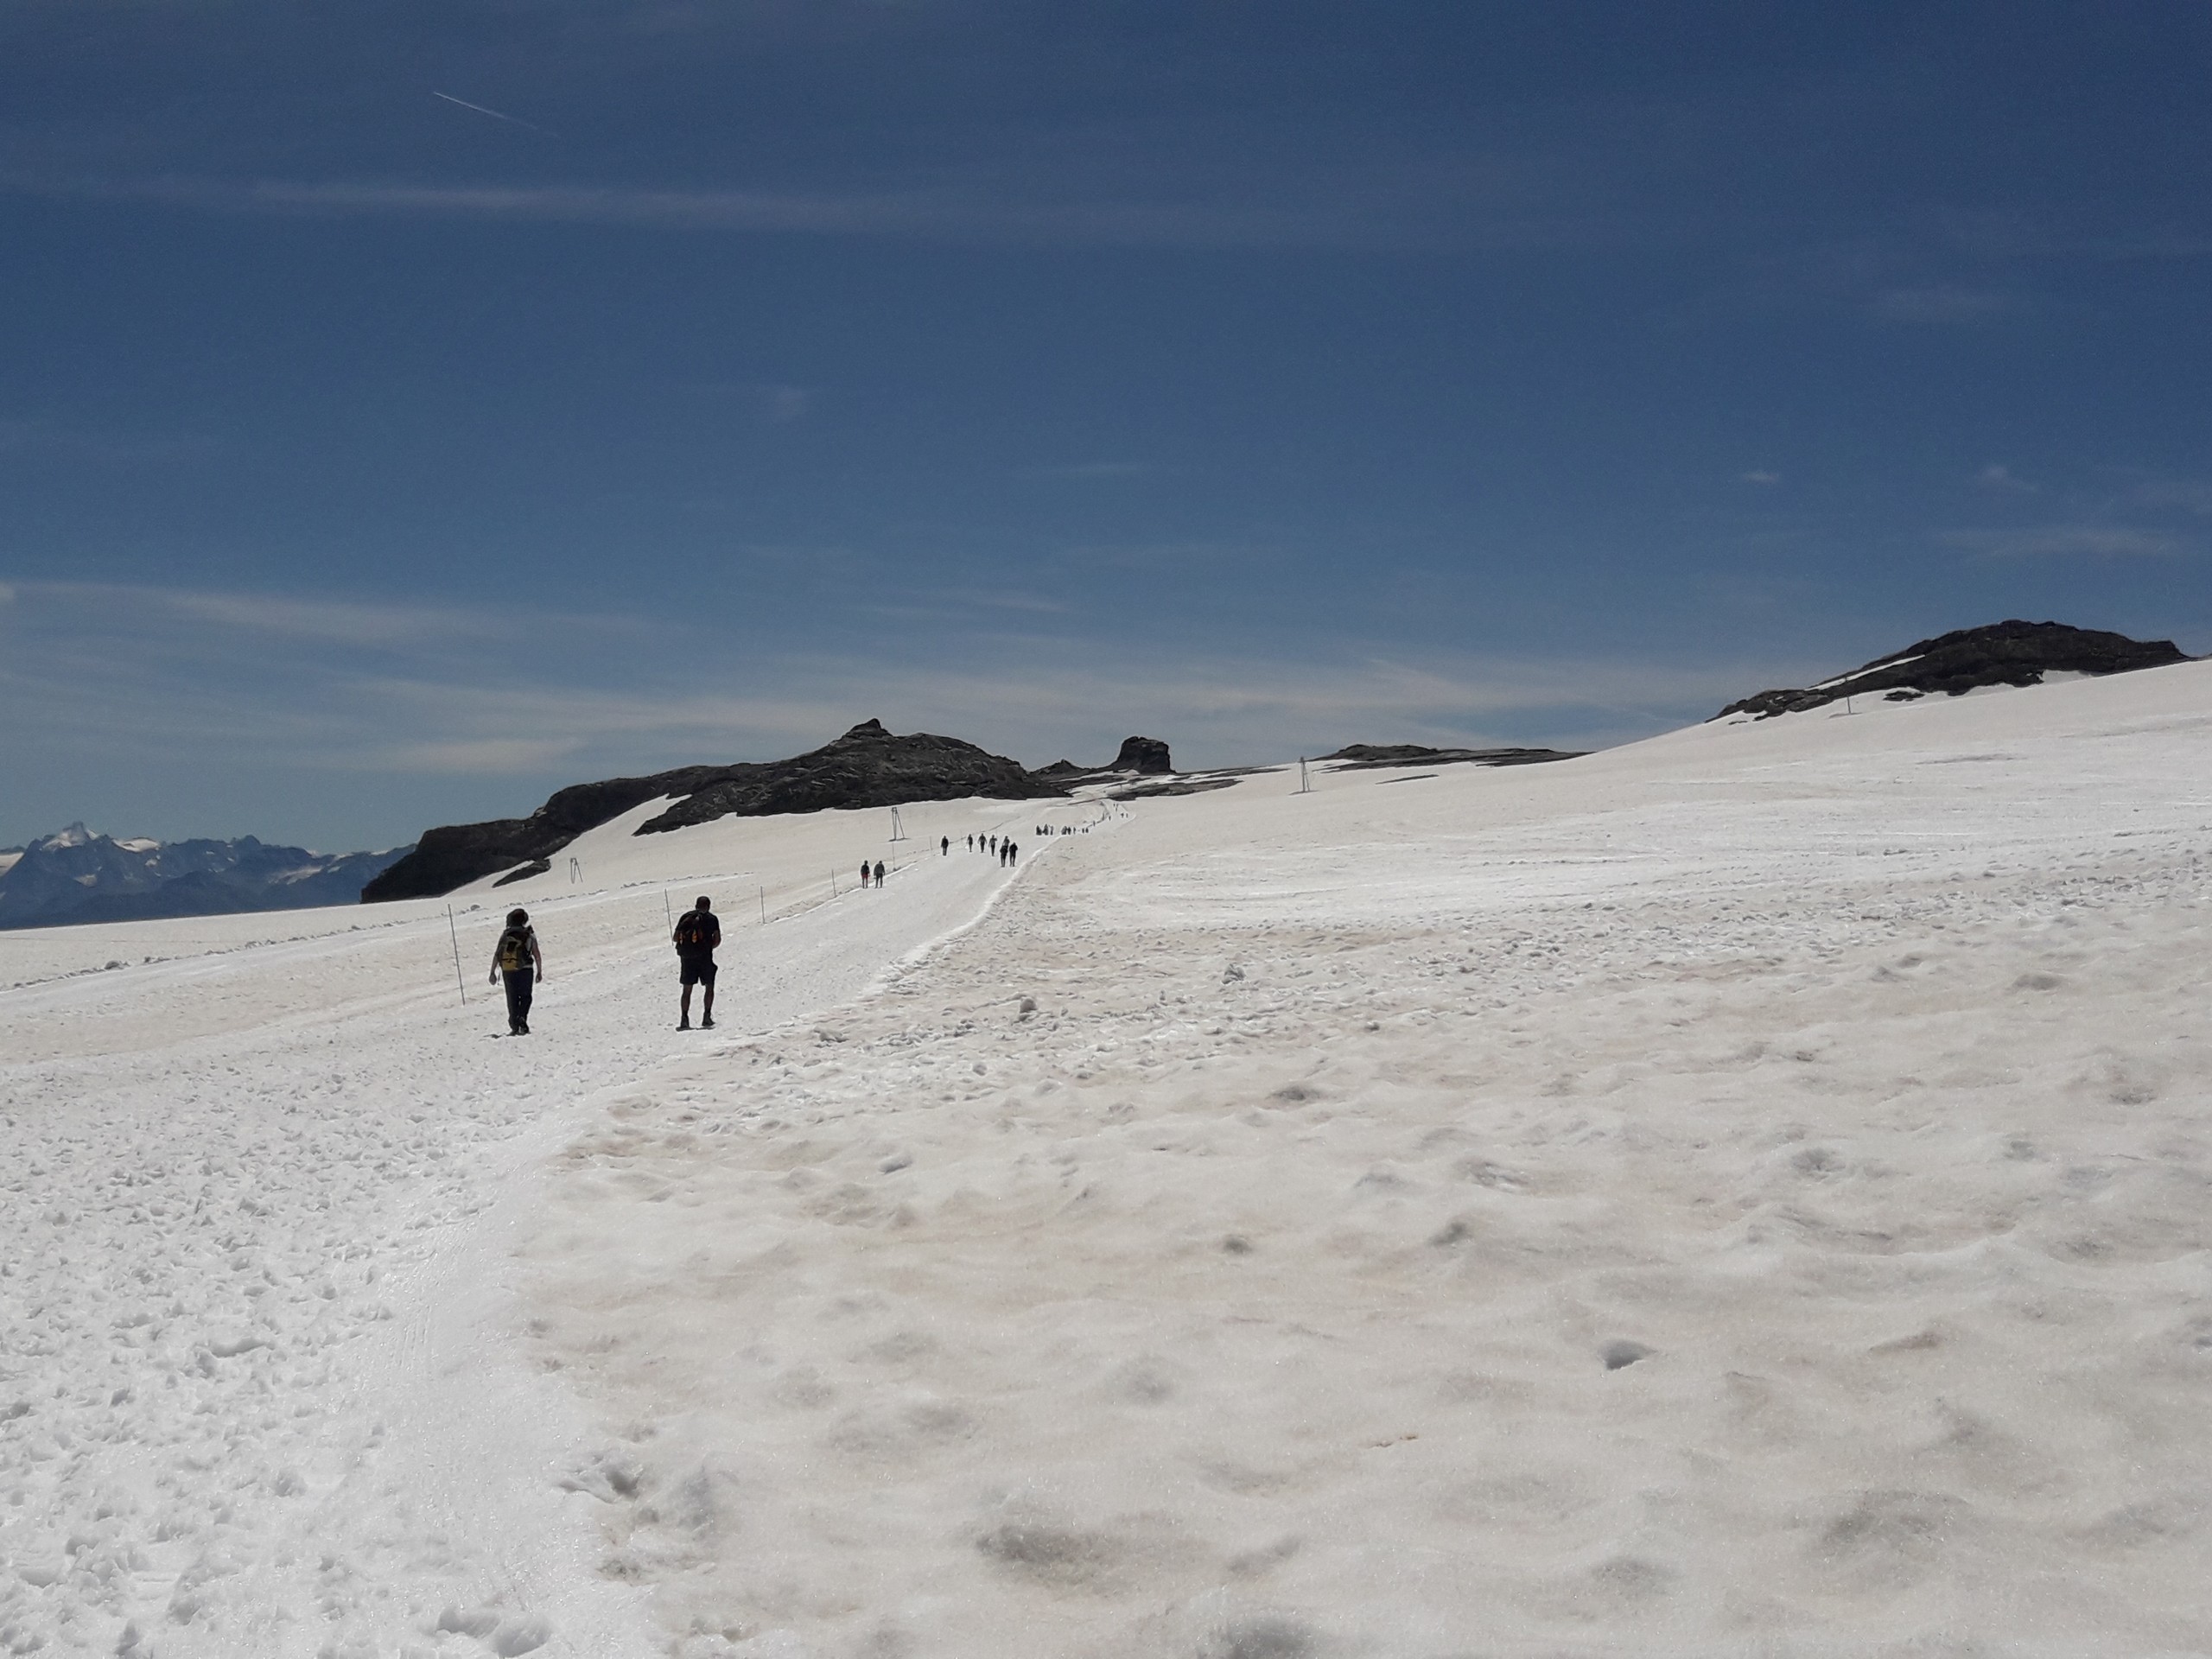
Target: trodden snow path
x,y
258,1390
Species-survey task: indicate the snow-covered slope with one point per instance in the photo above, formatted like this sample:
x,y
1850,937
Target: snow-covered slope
x,y
1742,1193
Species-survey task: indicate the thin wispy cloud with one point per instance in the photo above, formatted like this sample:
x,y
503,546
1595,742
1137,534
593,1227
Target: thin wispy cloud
x,y
47,439
1759,476
1091,469
2002,478
921,213
1945,305
1470,201
1036,604
330,621
2063,541
2191,495
783,405
496,115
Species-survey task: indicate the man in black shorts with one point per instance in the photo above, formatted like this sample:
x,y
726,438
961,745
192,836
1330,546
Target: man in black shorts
x,y
696,935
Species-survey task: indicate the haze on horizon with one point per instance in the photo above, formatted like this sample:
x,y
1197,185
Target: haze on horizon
x,y
407,410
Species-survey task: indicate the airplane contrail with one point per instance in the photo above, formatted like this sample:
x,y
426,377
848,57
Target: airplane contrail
x,y
494,114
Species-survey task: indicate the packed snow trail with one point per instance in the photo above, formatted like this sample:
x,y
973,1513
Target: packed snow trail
x,y
258,1394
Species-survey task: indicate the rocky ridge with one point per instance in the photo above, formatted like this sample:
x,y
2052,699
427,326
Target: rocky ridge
x,y
867,766
2012,652
1141,757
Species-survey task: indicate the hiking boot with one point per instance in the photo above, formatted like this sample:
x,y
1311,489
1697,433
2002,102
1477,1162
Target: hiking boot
x,y
707,1024
683,1024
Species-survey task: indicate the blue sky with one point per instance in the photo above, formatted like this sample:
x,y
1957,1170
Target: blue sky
x,y
1261,378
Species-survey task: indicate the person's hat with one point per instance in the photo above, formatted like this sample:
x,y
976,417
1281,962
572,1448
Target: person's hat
x,y
518,917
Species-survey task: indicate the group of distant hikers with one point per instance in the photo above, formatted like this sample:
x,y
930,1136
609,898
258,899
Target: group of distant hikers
x,y
518,962
1001,845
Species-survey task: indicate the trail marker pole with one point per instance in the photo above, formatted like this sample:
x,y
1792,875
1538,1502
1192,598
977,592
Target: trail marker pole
x,y
459,978
764,906
667,910
1304,787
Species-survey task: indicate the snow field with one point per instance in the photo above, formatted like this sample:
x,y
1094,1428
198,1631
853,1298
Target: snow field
x,y
257,1394
1742,1193
1747,1199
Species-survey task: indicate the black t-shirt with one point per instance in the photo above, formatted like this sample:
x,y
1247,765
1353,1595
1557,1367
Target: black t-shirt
x,y
698,933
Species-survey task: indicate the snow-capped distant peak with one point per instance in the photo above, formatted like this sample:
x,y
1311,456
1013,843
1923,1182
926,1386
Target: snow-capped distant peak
x,y
75,835
140,844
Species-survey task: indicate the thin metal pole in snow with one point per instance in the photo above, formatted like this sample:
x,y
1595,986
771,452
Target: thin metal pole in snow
x,y
459,978
764,906
667,911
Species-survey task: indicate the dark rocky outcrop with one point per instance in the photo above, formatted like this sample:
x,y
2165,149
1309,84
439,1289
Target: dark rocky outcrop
x,y
1143,757
453,854
78,876
867,766
2002,653
1146,756
1359,757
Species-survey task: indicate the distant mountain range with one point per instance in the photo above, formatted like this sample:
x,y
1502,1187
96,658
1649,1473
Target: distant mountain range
x,y
2001,653
81,876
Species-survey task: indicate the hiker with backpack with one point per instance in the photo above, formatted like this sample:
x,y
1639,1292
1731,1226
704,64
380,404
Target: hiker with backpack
x,y
515,959
698,931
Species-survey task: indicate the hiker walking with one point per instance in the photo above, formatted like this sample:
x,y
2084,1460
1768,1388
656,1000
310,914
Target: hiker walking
x,y
945,848
515,959
879,872
697,933
863,872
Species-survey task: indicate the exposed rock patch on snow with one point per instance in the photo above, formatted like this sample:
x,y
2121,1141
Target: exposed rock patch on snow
x,y
1369,756
2013,653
